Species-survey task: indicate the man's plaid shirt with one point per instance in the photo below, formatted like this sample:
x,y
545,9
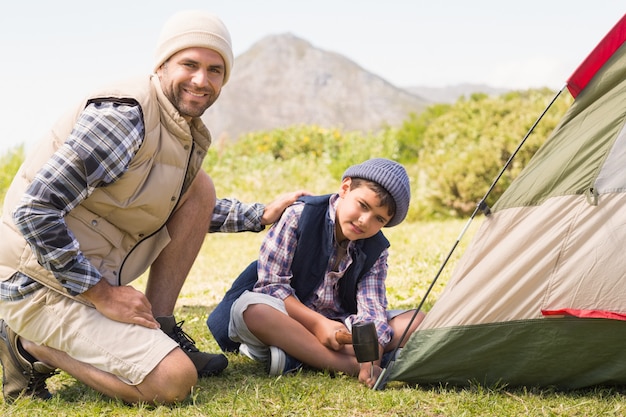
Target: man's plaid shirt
x,y
97,152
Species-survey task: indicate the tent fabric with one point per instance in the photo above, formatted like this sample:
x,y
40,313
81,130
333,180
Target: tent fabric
x,y
572,157
539,296
598,57
529,251
574,354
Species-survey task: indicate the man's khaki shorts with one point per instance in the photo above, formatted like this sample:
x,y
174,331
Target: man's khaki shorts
x,y
50,319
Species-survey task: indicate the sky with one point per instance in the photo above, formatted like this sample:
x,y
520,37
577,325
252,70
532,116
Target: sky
x,y
54,52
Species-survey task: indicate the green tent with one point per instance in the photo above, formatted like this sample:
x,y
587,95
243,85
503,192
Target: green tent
x,y
539,296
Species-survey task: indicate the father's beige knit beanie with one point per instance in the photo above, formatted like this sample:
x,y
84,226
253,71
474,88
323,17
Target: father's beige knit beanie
x,y
194,28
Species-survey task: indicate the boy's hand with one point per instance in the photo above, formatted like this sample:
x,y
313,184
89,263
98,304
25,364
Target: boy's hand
x,y
343,337
326,333
323,328
367,376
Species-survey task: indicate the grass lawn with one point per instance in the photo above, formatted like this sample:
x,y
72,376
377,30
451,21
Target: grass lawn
x,y
244,389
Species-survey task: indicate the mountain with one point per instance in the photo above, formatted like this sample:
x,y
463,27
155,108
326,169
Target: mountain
x,y
451,94
283,80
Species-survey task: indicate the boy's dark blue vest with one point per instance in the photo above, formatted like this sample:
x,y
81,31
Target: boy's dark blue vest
x,y
313,250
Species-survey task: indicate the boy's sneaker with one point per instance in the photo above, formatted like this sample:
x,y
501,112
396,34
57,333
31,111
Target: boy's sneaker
x,y
280,363
207,364
21,377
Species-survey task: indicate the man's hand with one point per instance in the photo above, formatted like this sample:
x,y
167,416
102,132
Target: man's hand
x,y
275,209
124,304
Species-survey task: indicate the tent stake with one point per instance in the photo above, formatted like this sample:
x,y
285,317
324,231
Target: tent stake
x,y
481,206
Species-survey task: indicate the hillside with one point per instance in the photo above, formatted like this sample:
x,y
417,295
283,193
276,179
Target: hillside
x,y
452,93
283,80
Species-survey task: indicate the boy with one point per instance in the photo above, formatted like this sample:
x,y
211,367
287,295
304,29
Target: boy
x,y
322,267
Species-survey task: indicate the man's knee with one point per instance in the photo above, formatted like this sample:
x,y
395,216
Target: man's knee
x,y
203,187
171,381
201,192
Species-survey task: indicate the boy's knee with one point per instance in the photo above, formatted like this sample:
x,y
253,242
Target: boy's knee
x,y
256,313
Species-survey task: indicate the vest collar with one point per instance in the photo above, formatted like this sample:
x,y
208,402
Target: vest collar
x,y
177,124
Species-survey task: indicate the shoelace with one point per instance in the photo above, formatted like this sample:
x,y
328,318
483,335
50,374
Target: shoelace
x,y
183,339
37,383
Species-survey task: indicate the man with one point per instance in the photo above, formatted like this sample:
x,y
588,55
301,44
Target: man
x,y
116,188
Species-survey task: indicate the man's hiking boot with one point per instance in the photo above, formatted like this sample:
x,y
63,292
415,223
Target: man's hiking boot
x,y
20,376
207,364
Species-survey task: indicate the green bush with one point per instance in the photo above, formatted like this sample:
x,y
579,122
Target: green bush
x,y
466,147
452,154
410,135
9,164
260,165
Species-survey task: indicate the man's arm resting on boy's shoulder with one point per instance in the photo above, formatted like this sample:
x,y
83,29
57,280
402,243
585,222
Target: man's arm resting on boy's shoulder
x,y
231,215
275,209
323,328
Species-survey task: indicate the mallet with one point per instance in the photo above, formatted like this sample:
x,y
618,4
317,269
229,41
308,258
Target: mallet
x,y
364,340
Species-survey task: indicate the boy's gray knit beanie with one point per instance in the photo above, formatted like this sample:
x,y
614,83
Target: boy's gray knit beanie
x,y
392,177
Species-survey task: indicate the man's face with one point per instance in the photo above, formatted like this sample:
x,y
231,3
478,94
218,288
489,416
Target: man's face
x,y
192,80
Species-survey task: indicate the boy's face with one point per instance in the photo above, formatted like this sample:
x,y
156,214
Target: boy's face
x,y
359,214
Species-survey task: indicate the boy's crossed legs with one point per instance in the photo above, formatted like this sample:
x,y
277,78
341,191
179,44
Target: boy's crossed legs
x,y
260,321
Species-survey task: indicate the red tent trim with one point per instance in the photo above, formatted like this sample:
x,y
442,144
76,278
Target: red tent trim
x,y
597,58
587,314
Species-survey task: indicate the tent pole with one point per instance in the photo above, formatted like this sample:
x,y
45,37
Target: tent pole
x,y
481,206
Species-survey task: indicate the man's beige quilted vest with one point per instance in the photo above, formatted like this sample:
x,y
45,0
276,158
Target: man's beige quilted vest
x,y
120,227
